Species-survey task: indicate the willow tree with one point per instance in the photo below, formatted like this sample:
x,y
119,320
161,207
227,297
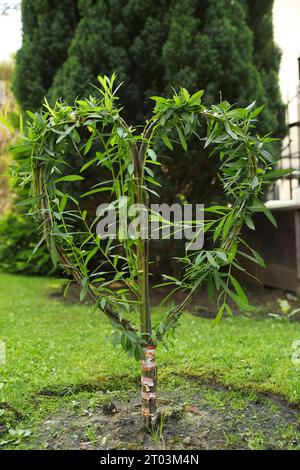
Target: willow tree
x,y
123,157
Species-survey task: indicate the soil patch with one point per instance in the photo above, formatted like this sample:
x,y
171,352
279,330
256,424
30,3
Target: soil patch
x,y
206,418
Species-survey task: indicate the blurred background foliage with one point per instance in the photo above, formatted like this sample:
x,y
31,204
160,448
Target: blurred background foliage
x,y
18,233
8,105
225,47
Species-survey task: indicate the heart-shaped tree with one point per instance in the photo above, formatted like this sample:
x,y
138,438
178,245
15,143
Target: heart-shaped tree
x,y
114,271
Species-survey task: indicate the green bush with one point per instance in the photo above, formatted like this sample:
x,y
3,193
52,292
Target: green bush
x,y
18,238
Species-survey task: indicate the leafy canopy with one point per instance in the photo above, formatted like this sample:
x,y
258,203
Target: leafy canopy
x,y
123,157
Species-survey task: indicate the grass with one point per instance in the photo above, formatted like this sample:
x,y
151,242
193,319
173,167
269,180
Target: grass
x,y
53,347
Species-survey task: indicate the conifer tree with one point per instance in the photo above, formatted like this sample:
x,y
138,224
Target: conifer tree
x,y
48,27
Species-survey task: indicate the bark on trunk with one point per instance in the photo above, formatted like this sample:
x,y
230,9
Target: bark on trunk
x,y
149,388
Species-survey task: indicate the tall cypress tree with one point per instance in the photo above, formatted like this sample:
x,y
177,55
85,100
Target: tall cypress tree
x,y
48,27
216,44
193,42
125,36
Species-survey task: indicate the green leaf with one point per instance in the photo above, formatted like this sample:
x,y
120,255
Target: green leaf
x,y
153,181
240,303
228,224
24,148
219,316
70,178
85,288
255,182
21,123
97,190
270,216
222,255
116,335
63,135
277,173
218,230
249,222
237,113
228,310
121,132
230,131
103,304
90,255
196,97
258,258
130,168
88,145
259,206
238,289
257,111
89,163
151,154
159,99
211,259
267,156
182,139
28,202
63,202
167,141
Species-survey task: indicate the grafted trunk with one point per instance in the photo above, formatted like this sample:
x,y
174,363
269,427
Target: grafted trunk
x,y
149,388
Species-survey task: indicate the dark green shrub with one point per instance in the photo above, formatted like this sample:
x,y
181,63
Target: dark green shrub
x,y
18,239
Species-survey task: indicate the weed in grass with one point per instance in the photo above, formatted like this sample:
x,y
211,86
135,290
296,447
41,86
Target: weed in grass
x,y
256,440
157,435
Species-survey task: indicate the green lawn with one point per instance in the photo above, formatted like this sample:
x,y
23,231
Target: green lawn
x,y
54,346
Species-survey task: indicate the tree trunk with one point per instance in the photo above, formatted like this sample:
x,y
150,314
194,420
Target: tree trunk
x,y
149,387
149,367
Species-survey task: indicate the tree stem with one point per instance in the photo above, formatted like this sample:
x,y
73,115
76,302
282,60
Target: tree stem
x,y
149,388
149,368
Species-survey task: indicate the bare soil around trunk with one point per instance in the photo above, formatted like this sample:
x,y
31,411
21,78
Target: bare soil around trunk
x,y
201,416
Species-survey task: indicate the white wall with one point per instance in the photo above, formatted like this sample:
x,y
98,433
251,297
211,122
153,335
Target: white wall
x,y
286,15
10,33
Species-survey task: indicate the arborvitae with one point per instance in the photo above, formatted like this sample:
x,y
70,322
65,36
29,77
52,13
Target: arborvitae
x,y
226,47
48,27
196,43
